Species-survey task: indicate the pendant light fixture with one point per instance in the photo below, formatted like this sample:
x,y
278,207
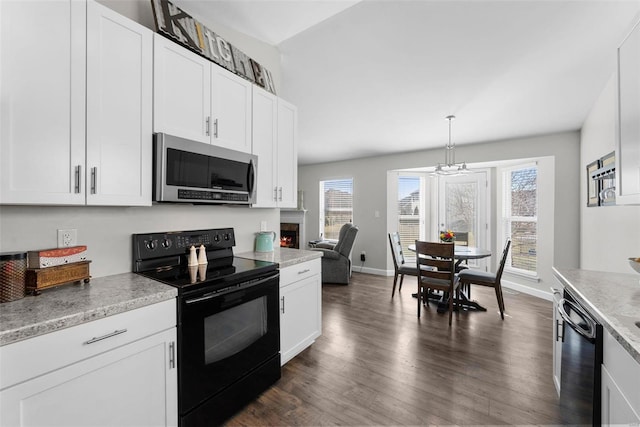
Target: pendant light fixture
x,y
450,167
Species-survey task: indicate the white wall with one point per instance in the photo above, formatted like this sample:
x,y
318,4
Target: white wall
x,y
370,193
609,234
106,231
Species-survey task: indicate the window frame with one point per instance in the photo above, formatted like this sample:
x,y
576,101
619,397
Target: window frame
x,y
321,208
506,218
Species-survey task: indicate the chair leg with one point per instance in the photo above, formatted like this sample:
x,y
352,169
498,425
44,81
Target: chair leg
x,y
401,280
418,298
499,286
450,306
395,280
500,306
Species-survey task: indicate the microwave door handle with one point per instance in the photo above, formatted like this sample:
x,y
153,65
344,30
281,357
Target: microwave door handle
x,y
251,177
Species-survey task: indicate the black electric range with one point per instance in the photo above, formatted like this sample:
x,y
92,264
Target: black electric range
x,y
228,320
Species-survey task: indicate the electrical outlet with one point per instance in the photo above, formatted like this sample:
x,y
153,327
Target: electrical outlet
x,y
363,256
67,238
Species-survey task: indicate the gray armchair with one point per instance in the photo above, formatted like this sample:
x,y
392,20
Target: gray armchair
x,y
336,262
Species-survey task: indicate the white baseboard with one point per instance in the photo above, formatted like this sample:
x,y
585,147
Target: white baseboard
x,y
376,271
528,290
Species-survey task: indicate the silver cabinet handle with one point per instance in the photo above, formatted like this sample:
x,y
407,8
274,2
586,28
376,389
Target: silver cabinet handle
x,y
275,194
172,355
77,172
304,271
94,180
215,128
207,128
280,199
559,336
104,337
282,304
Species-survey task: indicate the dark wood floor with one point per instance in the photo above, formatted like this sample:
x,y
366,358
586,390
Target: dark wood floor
x,y
376,363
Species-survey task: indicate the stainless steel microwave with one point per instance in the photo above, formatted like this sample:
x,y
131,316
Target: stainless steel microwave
x,y
186,171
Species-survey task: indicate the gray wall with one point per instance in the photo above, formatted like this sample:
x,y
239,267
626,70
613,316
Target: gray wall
x,y
370,191
610,234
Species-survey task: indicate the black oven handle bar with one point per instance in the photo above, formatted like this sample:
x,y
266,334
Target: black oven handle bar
x,y
234,288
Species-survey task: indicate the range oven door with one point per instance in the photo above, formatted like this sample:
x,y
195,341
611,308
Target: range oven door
x,y
223,337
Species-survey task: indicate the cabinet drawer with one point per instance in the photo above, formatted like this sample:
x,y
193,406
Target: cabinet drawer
x,y
35,356
300,271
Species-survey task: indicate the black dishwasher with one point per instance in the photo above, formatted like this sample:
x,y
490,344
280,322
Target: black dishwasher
x,y
580,384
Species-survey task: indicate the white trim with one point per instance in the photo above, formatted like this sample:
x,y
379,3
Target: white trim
x,y
528,290
369,270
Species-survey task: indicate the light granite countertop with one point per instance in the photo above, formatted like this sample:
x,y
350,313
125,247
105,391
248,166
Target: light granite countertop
x,y
286,257
72,304
612,298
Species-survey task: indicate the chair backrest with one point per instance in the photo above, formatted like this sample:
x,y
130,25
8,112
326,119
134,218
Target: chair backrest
x,y
396,249
435,261
341,234
461,238
505,252
346,243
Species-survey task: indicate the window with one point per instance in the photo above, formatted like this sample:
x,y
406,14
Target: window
x,y
409,212
336,206
520,217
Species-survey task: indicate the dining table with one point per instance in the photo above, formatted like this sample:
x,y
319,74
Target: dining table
x,y
460,253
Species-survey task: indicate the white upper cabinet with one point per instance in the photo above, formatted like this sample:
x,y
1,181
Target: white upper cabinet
x,y
61,143
628,141
265,140
119,109
199,100
274,142
42,112
287,154
182,91
231,110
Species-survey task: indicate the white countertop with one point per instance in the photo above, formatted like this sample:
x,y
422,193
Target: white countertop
x,y
70,305
612,298
286,257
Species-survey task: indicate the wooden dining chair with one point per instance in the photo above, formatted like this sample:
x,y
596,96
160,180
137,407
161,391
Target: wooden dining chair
x,y
435,264
476,277
399,265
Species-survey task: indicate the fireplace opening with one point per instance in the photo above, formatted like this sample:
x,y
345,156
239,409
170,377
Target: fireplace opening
x,y
289,235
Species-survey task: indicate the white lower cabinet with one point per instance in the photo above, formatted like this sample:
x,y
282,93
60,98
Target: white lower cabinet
x,y
558,330
120,370
300,307
620,384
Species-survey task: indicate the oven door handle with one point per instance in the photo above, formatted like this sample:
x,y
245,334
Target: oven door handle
x,y
589,334
211,295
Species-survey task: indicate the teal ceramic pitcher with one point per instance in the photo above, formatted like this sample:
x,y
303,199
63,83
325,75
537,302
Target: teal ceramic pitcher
x,y
264,241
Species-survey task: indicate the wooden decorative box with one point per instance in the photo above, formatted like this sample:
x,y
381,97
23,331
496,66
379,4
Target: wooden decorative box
x,y
38,279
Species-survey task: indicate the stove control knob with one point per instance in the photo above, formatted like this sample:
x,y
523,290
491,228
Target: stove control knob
x,y
152,244
227,236
166,243
216,238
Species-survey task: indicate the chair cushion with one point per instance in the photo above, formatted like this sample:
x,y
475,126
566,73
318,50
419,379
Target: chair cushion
x,y
405,269
472,276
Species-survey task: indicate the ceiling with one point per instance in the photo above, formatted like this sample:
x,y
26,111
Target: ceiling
x,y
375,77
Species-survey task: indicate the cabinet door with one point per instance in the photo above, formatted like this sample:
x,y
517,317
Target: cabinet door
x,y
265,110
119,109
231,110
616,410
42,88
628,144
132,385
182,91
287,155
300,316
